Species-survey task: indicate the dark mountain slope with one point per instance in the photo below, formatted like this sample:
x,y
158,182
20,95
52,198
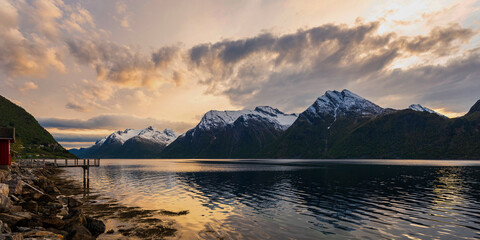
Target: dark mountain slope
x,y
230,134
31,138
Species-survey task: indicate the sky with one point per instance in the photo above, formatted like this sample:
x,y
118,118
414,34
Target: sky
x,y
87,68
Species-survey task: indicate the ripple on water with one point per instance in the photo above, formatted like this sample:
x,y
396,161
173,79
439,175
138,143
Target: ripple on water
x,y
270,200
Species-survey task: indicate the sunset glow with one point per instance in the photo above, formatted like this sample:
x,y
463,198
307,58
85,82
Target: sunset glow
x,y
167,63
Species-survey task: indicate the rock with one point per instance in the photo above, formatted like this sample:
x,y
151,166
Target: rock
x,y
24,229
5,204
47,210
31,206
45,198
75,217
63,212
15,186
29,223
96,227
55,205
73,202
17,236
35,234
80,233
4,176
16,208
43,182
14,218
110,231
53,222
4,228
4,189
52,190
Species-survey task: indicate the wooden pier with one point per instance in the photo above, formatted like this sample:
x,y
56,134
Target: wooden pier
x,y
62,163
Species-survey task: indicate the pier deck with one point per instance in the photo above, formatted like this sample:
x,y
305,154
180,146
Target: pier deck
x,y
86,164
58,163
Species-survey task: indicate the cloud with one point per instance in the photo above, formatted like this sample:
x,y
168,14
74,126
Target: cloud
x,y
431,85
121,64
24,53
28,86
73,138
164,56
291,70
122,17
76,107
45,14
112,122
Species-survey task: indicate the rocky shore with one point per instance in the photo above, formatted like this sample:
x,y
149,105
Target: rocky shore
x,y
33,207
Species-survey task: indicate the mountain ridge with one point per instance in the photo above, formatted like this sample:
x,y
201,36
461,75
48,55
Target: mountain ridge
x,y
338,124
32,140
130,143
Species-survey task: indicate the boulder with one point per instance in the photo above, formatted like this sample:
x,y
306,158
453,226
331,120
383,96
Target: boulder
x,y
53,222
52,190
73,202
43,182
96,227
31,206
79,233
17,236
75,217
4,189
45,198
36,234
4,175
14,218
4,228
5,204
15,186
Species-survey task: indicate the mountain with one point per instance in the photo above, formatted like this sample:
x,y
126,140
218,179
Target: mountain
x,y
145,143
327,119
367,131
420,108
475,108
413,135
231,134
32,140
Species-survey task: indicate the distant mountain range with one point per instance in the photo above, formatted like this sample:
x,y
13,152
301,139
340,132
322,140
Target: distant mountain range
x,y
32,140
337,125
145,143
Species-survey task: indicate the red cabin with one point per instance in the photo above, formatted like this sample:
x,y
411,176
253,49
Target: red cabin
x,y
7,136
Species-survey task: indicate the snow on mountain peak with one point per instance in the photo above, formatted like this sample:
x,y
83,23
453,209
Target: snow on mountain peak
x,y
420,108
149,134
217,119
341,103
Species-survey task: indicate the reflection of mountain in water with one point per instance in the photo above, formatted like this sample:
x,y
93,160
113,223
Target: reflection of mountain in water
x,y
351,199
303,200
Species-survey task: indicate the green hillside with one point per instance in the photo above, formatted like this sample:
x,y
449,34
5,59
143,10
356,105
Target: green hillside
x,y
32,140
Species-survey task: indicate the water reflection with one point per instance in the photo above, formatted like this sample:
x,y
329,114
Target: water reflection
x,y
281,199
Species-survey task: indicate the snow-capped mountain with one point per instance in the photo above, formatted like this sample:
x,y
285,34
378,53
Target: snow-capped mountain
x,y
148,134
130,143
420,108
231,133
333,113
218,119
344,103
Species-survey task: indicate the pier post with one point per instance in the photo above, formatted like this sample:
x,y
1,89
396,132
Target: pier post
x,y
84,175
88,177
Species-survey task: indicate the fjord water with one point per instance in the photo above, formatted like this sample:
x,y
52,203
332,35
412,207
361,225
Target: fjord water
x,y
302,199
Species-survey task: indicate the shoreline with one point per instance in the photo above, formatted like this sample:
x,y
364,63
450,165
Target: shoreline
x,y
46,204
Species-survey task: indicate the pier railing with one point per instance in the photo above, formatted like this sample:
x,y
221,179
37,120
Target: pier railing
x,y
58,163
